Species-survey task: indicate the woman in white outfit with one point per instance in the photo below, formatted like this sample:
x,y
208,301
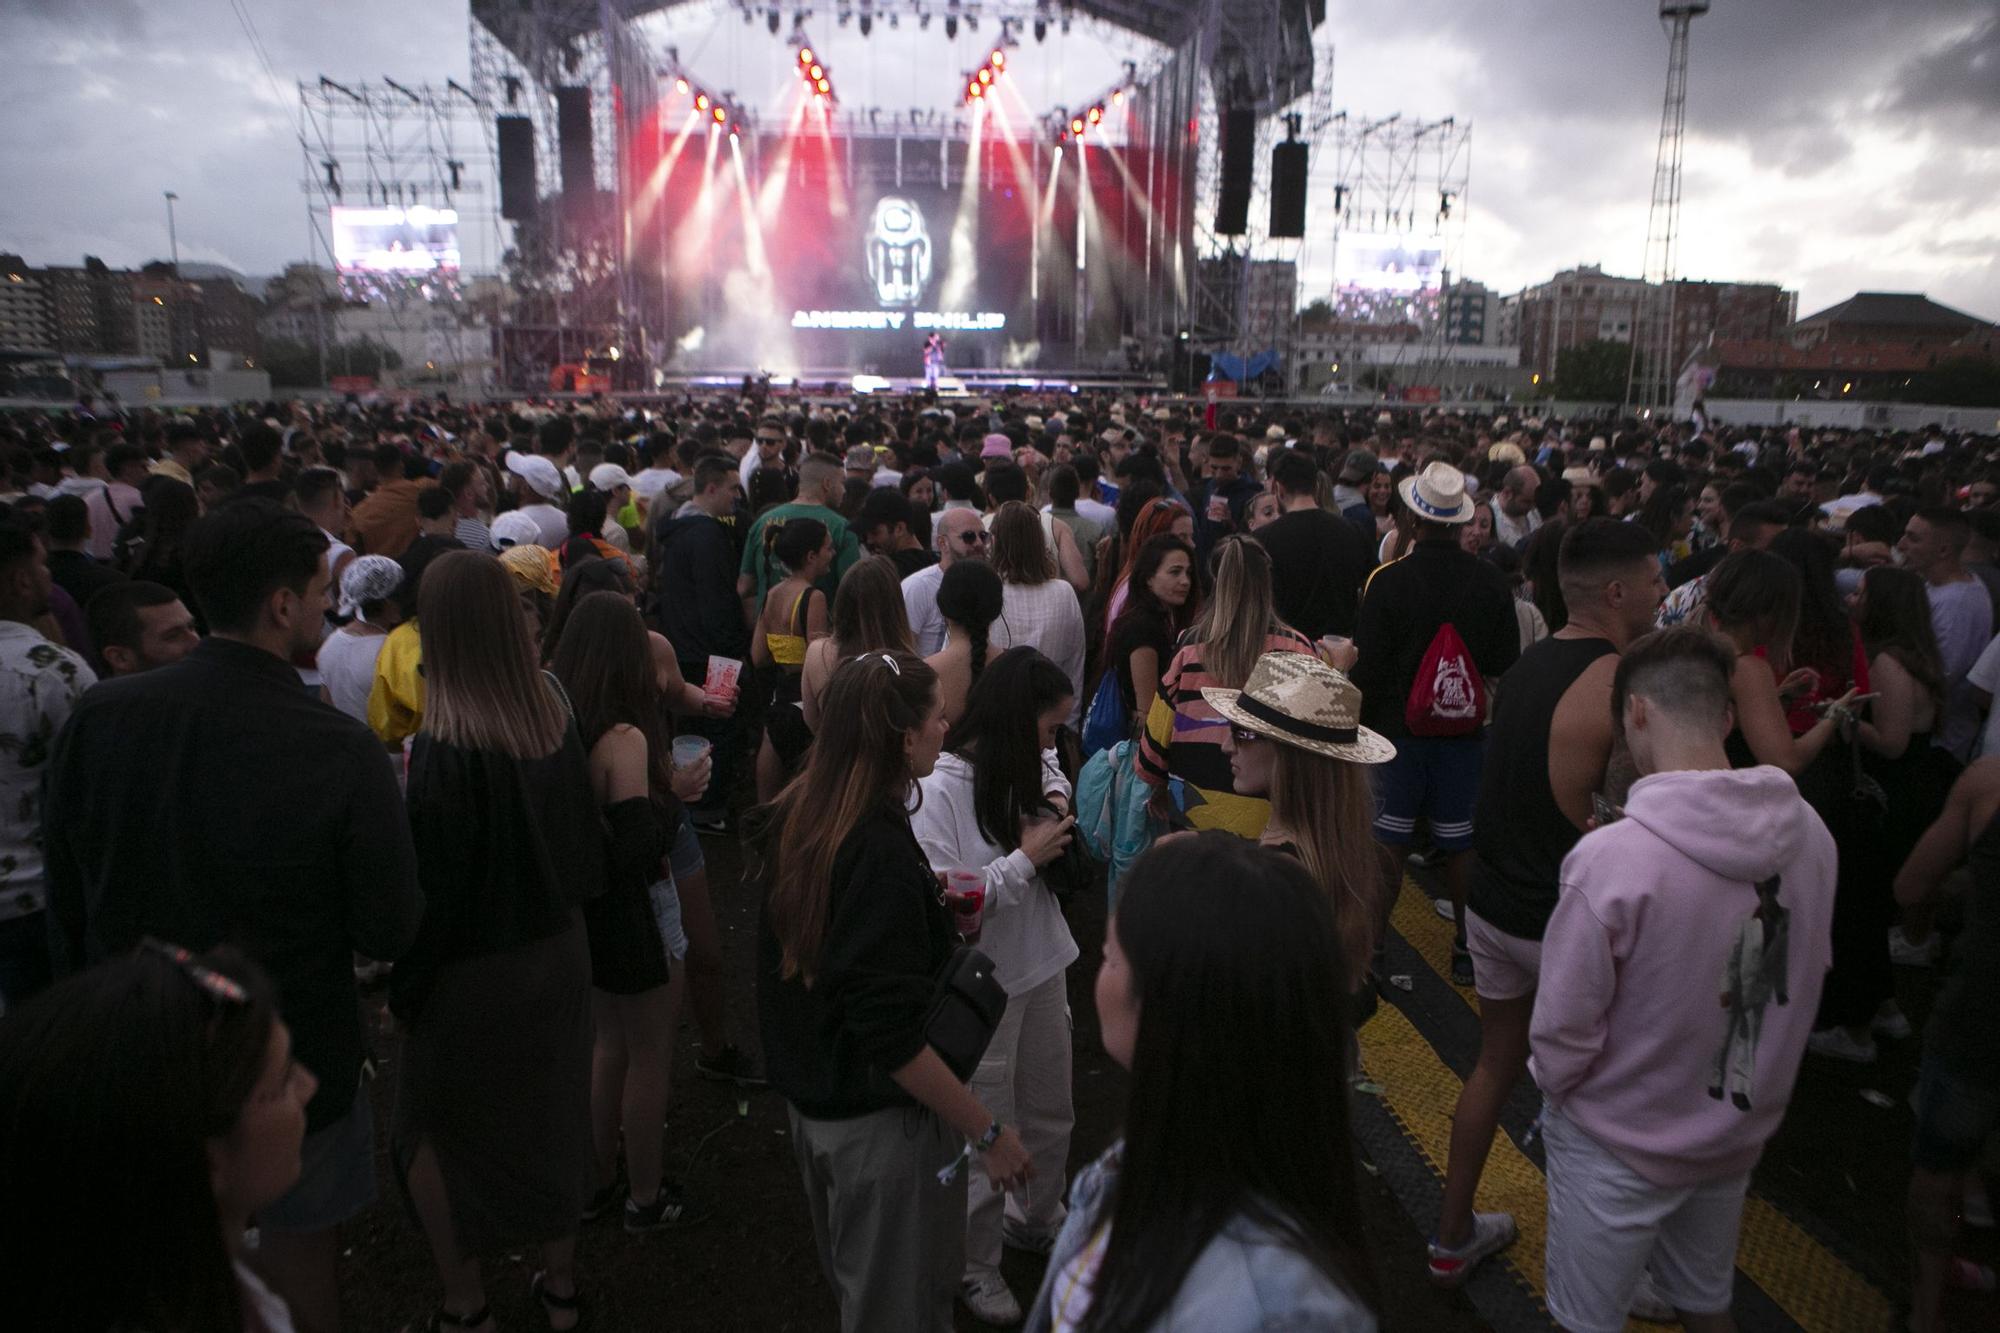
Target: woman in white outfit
x,y
997,803
347,656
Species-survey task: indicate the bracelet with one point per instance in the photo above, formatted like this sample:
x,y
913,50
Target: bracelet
x,y
988,1139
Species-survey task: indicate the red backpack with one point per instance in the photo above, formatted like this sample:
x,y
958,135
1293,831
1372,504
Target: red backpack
x,y
1448,696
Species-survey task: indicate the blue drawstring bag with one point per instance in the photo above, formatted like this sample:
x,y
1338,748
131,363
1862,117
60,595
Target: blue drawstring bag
x,y
1107,722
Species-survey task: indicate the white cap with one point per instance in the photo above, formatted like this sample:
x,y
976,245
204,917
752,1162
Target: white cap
x,y
515,528
609,477
538,472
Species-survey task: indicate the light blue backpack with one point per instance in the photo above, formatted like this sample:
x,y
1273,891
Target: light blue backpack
x,y
1111,816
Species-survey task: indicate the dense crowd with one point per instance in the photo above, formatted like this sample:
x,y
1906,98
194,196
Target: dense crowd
x,y
1695,726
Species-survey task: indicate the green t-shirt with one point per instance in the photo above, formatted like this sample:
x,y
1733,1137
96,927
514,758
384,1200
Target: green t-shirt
x,y
846,548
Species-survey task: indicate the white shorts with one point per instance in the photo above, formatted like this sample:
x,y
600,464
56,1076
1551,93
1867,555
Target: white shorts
x,y
1608,1225
1504,967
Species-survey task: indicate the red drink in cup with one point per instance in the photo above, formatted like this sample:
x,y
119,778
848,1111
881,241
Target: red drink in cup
x,y
722,676
965,895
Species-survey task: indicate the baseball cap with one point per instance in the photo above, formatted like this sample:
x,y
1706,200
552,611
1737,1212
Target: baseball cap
x,y
515,528
538,472
861,457
1360,463
609,477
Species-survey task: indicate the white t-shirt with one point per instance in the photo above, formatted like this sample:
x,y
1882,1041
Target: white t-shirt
x,y
347,670
1985,674
648,483
1047,618
920,592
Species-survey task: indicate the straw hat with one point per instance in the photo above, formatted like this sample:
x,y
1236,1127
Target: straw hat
x,y
1296,699
1438,494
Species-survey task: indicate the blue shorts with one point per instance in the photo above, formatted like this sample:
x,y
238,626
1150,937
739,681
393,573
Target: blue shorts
x,y
1435,778
683,859
337,1175
1954,1119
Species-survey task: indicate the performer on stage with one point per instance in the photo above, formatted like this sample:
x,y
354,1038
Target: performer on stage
x,y
933,359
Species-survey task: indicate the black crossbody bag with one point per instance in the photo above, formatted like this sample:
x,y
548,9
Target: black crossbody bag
x,y
965,1011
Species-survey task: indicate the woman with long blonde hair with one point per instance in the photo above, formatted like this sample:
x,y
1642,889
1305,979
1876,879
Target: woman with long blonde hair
x,y
1180,751
1295,737
853,937
492,1125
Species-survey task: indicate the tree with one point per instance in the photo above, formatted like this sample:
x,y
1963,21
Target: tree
x,y
1593,372
1962,382
295,365
1317,311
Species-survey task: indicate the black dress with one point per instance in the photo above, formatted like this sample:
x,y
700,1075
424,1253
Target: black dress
x,y
627,956
495,994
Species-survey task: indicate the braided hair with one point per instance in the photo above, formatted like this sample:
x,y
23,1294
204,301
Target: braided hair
x,y
971,596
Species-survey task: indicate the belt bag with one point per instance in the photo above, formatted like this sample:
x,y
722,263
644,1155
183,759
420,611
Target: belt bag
x,y
965,1011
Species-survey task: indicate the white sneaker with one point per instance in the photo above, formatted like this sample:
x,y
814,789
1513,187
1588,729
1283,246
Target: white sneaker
x,y
1892,1022
1442,906
1648,1304
1903,953
989,1300
1491,1233
1835,1044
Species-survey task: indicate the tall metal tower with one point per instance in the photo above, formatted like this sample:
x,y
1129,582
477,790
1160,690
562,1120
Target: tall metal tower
x,y
1650,375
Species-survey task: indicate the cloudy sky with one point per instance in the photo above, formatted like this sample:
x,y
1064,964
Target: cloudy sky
x,y
1833,145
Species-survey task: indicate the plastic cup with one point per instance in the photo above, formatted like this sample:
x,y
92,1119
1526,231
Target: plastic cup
x,y
689,750
723,673
965,895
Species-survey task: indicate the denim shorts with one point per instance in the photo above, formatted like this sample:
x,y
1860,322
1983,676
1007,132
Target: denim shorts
x,y
1954,1119
683,859
337,1176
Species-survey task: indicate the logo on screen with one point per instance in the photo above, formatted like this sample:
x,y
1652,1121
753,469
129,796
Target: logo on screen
x,y
898,247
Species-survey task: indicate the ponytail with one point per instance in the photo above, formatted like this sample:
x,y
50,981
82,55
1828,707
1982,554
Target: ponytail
x,y
977,633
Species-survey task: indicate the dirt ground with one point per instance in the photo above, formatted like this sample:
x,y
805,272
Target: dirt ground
x,y
752,1265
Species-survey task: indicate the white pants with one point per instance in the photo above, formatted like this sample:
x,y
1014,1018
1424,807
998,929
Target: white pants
x,y
1606,1221
1024,1081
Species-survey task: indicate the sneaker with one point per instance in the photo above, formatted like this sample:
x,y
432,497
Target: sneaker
x,y
714,822
1835,1044
1442,906
1904,953
1892,1022
669,1210
1491,1233
1423,857
1649,1305
729,1065
1019,1236
989,1300
1461,966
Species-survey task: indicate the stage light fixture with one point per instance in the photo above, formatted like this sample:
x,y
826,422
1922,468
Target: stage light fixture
x,y
1096,114
720,115
1118,97
805,55
681,86
816,73
998,59
986,76
824,87
701,101
1076,125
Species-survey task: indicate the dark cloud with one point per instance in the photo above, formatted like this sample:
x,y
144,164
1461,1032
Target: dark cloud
x,y
1960,76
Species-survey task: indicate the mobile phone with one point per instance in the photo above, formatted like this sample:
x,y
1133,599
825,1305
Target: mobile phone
x,y
1604,811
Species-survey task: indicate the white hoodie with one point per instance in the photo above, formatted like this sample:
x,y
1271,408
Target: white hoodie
x,y
1673,1013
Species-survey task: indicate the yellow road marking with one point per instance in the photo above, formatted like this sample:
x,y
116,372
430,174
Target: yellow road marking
x,y
1801,1276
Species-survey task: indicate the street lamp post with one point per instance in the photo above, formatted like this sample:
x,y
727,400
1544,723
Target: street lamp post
x,y
173,241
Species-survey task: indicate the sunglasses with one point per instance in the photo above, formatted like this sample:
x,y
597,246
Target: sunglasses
x,y
1242,737
222,988
975,538
770,439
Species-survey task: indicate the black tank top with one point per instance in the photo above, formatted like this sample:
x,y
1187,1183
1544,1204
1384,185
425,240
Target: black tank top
x,y
1962,1033
1520,835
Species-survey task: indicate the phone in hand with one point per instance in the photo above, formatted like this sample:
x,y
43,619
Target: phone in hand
x,y
1603,811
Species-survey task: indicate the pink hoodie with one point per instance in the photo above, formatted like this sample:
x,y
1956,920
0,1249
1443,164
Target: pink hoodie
x,y
1675,1000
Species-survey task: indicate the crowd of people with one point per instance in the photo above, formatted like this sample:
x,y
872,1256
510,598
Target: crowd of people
x,y
1694,726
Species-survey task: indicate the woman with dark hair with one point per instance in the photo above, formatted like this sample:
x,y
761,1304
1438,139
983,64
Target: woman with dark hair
x,y
1668,514
921,492
579,580
970,598
1881,819
1162,603
853,937
997,802
1539,570
869,616
1039,607
164,1080
149,547
605,664
1753,601
1216,1211
1159,518
1181,752
491,1136
794,617
1827,654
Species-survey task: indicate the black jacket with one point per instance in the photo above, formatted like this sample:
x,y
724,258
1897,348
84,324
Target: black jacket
x,y
217,801
1404,605
830,1049
694,588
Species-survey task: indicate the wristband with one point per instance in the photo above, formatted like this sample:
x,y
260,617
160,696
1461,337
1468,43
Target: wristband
x,y
988,1139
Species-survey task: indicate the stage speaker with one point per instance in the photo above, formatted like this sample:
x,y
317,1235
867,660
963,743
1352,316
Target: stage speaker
x,y
1288,190
516,137
579,161
1239,146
